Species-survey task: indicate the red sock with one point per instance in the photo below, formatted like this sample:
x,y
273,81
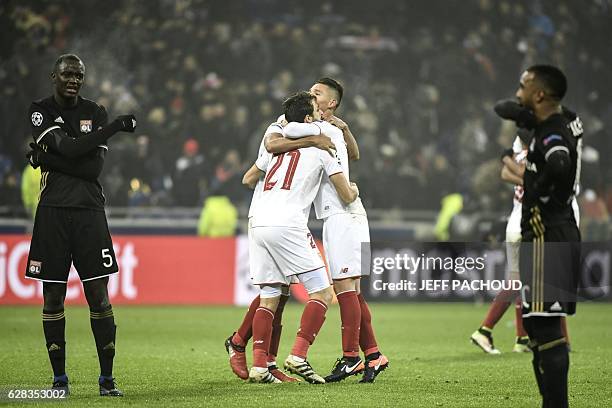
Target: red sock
x,y
498,308
350,314
518,317
262,332
245,331
277,329
310,324
564,329
367,340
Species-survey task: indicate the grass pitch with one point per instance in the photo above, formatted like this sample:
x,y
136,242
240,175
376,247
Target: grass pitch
x,y
174,356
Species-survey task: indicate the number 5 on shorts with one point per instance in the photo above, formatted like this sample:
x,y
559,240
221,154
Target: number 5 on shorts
x,y
108,259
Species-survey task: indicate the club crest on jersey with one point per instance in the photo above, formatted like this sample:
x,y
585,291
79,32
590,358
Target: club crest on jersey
x,y
37,118
85,126
34,267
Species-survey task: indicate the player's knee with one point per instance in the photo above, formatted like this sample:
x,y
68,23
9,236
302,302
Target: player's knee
x,y
96,293
325,295
53,296
53,303
344,285
269,296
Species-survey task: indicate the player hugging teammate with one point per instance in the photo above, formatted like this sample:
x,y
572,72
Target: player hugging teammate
x,y
345,235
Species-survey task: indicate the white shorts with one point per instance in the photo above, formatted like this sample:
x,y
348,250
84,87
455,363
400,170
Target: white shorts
x,y
278,253
313,281
513,243
343,236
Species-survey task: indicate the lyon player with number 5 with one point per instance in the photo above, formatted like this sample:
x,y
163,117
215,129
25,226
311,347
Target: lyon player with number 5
x,y
70,142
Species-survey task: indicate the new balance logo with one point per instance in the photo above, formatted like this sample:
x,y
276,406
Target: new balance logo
x,y
59,120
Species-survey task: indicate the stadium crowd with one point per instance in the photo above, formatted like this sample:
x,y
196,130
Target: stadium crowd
x,y
205,78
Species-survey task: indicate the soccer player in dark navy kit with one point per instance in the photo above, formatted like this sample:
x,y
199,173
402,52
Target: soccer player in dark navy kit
x,y
549,272
70,141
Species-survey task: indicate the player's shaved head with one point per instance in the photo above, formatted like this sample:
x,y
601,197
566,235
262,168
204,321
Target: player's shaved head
x,y
67,58
334,86
551,79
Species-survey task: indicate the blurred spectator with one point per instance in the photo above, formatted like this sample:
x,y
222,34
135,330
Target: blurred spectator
x,y
420,79
30,189
218,218
189,175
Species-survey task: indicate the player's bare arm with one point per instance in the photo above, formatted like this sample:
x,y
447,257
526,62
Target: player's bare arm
x,y
277,143
251,176
351,143
347,192
511,177
518,169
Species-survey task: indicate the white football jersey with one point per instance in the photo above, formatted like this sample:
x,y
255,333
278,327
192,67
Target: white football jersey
x,y
327,201
520,155
290,186
263,158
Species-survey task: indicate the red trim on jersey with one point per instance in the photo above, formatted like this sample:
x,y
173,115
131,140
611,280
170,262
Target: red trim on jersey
x,y
268,185
295,158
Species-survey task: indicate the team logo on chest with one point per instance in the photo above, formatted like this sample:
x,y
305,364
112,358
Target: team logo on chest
x,y
85,126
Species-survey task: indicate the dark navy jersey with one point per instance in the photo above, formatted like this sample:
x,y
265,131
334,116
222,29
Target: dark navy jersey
x,y
59,189
559,132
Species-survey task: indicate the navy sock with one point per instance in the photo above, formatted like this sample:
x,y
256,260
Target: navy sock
x,y
62,378
104,378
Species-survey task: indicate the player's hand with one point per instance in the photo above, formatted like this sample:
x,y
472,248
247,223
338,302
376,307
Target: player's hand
x,y
514,111
325,143
507,153
127,123
337,122
33,155
355,188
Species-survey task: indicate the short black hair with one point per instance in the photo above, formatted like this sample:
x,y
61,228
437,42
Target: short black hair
x,y
297,106
552,78
66,57
335,85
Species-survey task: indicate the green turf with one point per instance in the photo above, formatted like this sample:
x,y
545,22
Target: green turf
x,y
168,356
